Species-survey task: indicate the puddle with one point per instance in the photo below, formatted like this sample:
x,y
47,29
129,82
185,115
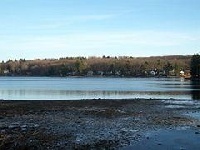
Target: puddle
x,y
174,106
195,115
180,102
166,139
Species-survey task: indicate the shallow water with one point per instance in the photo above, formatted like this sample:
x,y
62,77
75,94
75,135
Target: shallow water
x,y
166,139
73,88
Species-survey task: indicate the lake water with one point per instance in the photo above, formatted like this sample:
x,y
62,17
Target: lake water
x,y
73,88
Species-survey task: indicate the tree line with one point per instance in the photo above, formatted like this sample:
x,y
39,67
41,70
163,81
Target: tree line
x,y
123,66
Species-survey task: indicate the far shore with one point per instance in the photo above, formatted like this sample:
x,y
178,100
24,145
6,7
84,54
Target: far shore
x,y
94,124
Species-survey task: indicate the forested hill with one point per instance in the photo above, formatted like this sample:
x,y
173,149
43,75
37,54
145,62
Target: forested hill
x,y
98,66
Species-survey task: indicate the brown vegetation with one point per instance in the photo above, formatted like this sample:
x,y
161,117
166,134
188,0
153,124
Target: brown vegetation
x,y
106,65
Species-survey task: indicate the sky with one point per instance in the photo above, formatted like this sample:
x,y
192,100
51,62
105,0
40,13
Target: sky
x,y
31,29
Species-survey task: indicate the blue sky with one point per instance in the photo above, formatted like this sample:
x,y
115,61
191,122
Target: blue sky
x,y
60,28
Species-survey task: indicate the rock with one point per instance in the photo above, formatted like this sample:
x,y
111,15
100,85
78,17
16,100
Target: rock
x,y
14,126
23,127
78,139
36,125
3,126
3,131
124,130
133,131
197,132
58,144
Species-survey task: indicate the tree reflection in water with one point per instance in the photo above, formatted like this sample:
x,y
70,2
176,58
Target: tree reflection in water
x,y
195,92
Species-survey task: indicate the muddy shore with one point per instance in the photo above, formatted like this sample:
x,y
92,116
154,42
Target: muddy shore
x,y
96,124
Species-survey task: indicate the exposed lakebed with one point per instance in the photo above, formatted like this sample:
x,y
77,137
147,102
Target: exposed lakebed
x,y
105,124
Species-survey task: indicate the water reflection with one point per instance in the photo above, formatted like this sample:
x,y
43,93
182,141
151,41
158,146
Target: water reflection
x,y
45,94
38,88
195,90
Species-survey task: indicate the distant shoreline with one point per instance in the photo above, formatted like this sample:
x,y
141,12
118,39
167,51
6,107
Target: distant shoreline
x,y
95,76
125,66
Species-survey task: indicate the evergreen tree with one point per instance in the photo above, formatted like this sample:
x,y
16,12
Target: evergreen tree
x,y
195,66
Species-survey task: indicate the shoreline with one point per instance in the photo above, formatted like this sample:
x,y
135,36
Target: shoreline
x,y
92,124
96,99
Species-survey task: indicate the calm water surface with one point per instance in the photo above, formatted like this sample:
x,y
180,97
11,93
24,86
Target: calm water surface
x,y
55,88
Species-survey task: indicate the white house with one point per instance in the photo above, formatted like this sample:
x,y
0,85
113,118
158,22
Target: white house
x,y
6,71
182,73
152,73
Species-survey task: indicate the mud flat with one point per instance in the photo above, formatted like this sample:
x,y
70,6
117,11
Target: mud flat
x,y
100,124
